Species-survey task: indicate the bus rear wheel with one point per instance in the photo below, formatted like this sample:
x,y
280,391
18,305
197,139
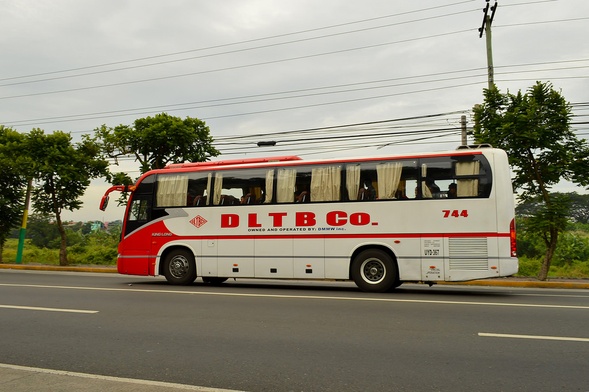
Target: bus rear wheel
x,y
179,267
374,270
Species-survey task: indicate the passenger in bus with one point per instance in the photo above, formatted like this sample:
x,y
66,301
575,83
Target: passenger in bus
x,y
228,200
399,195
433,188
199,200
367,191
452,191
247,199
303,197
302,193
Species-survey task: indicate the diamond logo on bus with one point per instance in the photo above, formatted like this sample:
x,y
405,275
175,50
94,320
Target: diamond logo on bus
x,y
198,221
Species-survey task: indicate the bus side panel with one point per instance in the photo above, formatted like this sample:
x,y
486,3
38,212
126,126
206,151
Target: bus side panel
x,y
273,257
235,257
408,263
309,258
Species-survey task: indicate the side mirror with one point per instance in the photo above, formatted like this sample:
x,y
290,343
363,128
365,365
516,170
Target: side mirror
x,y
104,202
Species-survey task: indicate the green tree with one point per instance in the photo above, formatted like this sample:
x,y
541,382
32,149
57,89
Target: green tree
x,y
41,231
12,183
157,141
534,129
579,207
63,171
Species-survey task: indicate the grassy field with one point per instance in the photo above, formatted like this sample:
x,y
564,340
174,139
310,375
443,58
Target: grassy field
x,y
80,254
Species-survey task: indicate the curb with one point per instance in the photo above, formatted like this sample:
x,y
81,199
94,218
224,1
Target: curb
x,y
58,268
503,282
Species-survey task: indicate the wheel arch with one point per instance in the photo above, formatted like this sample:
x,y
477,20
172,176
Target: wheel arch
x,y
170,248
381,247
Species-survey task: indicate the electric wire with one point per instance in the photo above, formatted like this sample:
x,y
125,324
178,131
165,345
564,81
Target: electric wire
x,y
243,42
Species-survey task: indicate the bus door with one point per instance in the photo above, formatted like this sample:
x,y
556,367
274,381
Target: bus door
x,y
135,248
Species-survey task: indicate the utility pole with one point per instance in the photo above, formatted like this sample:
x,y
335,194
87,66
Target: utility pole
x,y
463,127
23,228
486,28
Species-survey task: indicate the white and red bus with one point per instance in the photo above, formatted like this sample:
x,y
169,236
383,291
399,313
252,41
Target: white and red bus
x,y
379,221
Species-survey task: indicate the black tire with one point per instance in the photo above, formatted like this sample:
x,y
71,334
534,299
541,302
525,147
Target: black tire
x,y
214,280
179,267
374,270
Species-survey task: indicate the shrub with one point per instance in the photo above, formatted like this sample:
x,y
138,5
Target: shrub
x,y
529,267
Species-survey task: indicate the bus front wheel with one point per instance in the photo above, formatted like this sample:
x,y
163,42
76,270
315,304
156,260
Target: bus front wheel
x,y
179,267
374,270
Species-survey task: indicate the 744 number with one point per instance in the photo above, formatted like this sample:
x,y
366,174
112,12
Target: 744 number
x,y
455,213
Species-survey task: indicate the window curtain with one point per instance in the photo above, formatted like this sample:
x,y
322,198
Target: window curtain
x,y
389,175
172,191
467,187
218,188
353,181
285,185
326,183
269,186
425,191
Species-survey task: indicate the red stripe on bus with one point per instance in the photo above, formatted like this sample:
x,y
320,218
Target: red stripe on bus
x,y
338,236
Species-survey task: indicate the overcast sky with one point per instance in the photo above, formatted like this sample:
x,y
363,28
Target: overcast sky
x,y
273,70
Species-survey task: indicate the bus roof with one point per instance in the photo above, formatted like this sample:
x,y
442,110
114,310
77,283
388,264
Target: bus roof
x,y
293,160
227,162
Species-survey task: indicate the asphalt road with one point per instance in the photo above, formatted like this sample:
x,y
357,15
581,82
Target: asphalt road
x,y
111,331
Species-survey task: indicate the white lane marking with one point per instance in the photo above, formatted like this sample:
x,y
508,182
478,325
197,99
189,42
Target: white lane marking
x,y
114,379
538,337
48,309
367,299
553,295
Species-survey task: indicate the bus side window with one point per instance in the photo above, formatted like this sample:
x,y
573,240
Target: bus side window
x,y
244,187
436,175
360,182
467,187
198,184
285,185
303,191
326,183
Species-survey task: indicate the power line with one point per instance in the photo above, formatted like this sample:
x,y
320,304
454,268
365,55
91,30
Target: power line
x,y
125,112
215,70
350,125
224,53
247,41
